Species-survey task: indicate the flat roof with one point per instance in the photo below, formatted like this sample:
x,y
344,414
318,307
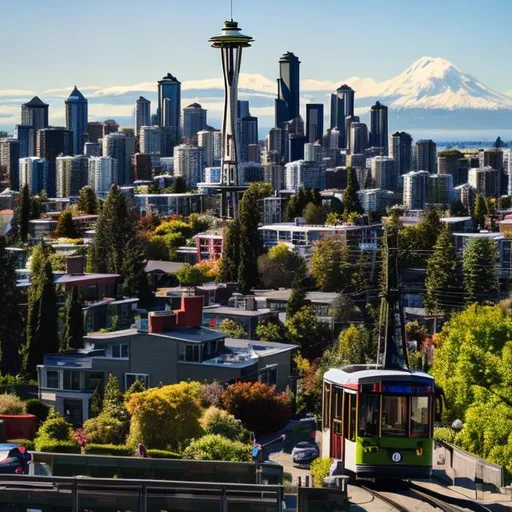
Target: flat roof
x,y
169,267
225,310
308,228
497,236
315,297
363,374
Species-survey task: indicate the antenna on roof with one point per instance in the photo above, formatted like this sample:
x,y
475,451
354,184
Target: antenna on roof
x,y
231,10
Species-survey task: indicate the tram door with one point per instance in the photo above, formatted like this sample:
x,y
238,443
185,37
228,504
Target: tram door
x,y
337,424
349,431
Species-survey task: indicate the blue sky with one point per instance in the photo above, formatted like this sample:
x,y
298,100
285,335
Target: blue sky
x,y
58,43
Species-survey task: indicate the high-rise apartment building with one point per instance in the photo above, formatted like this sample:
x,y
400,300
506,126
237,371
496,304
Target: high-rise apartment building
x,y
142,114
206,140
121,148
384,173
425,156
150,140
25,134
9,156
169,102
313,152
189,164
304,174
194,121
72,174
95,131
415,189
400,149
102,173
288,89
35,114
379,127
348,124
76,120
50,143
249,129
491,158
33,171
485,180
92,149
314,122
358,138
342,106
440,189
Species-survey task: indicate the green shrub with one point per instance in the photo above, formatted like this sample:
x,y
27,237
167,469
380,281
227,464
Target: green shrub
x,y
105,430
37,408
27,443
54,428
163,454
218,421
11,404
319,470
444,434
50,446
215,447
108,449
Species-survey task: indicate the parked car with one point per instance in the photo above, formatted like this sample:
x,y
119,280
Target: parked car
x,y
304,454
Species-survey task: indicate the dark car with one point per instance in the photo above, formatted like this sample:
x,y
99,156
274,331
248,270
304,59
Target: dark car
x,y
11,459
304,454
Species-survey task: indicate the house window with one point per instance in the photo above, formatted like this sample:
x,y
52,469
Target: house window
x,y
72,380
120,351
191,353
94,381
130,378
52,379
268,375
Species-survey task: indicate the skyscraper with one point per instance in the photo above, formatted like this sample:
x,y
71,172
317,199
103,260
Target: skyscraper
x,y
142,114
102,172
314,122
71,175
194,120
342,105
169,102
51,143
304,174
379,127
348,123
206,140
384,173
189,164
249,128
35,114
25,134
76,119
33,172
400,149
425,156
485,180
358,138
150,140
288,89
415,189
9,156
440,189
231,43
121,148
95,131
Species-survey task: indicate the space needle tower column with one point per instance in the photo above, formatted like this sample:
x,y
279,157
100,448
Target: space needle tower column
x,y
230,42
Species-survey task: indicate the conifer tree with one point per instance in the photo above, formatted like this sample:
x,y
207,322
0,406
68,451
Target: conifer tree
x,y
443,278
351,203
481,282
11,318
113,400
65,226
135,280
480,211
74,320
87,202
297,298
231,254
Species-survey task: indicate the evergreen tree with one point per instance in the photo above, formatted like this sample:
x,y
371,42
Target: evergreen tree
x,y
230,254
135,279
22,213
480,210
351,203
314,214
87,202
73,320
249,242
443,277
362,275
11,318
113,400
330,265
481,283
297,298
65,226
41,325
116,226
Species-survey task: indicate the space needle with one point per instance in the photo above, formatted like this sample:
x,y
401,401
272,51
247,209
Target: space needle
x,y
231,42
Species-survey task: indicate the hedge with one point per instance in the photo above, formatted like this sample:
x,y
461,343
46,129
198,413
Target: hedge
x,y
27,443
51,446
108,449
320,469
163,454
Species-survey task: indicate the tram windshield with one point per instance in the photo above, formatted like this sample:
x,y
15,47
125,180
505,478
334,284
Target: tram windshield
x,y
369,415
394,416
419,416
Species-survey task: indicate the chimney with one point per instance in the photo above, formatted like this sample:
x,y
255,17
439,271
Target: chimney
x,y
160,321
75,265
191,312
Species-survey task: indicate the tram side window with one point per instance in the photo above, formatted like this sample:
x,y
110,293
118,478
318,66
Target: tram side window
x,y
369,406
420,416
326,406
394,416
353,412
337,410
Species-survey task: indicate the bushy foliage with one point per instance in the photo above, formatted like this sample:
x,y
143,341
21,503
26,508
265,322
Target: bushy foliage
x,y
51,446
37,408
108,449
272,331
113,400
280,266
12,404
257,405
232,328
444,434
27,443
330,264
192,275
216,447
105,429
319,470
163,454
211,393
355,346
218,421
176,406
54,429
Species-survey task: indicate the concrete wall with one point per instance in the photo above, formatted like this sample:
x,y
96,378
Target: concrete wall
x,y
284,362
201,372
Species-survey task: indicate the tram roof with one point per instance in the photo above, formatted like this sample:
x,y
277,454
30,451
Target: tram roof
x,y
368,374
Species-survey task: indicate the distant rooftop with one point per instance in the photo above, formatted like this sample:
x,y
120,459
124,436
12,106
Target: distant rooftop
x,y
36,102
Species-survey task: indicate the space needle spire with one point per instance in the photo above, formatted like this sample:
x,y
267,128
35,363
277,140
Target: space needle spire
x,y
231,43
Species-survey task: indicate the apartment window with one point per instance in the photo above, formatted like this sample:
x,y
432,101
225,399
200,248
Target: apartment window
x,y
52,379
130,378
72,380
120,351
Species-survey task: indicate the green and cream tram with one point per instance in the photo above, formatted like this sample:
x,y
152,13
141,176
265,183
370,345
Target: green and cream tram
x,y
379,422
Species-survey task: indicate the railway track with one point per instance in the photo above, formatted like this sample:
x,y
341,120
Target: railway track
x,y
386,499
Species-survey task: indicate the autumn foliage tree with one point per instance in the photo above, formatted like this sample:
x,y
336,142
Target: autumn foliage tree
x,y
258,406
